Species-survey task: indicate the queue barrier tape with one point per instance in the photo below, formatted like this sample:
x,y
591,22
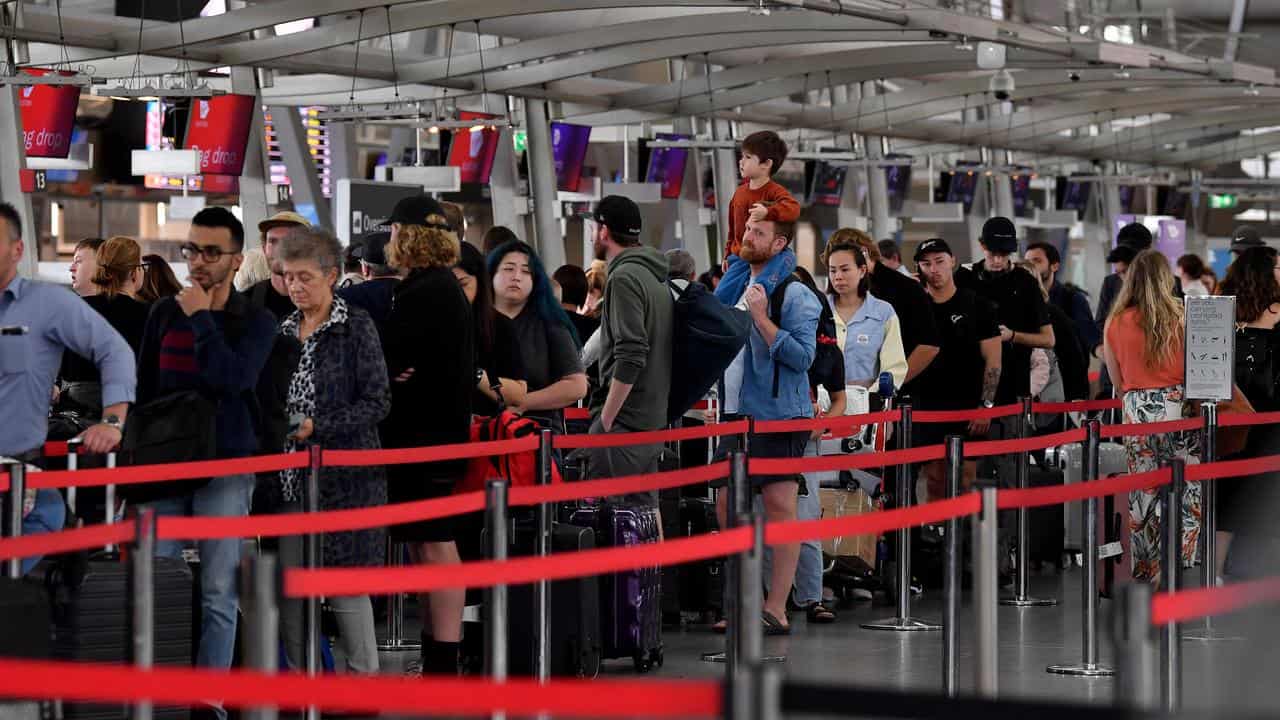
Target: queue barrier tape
x,y
56,448
302,523
518,697
632,484
577,413
952,416
794,531
93,536
1156,428
138,474
1203,602
1234,419
986,448
1010,499
649,437
1232,468
1077,406
854,461
836,425
341,582
434,453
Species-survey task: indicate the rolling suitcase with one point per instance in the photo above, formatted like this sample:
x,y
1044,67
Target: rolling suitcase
x,y
630,602
91,618
29,638
1115,561
696,588
1112,461
1045,528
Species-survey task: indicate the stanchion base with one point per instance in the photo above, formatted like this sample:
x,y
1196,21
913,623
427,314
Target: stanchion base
x,y
1203,635
719,657
402,646
902,625
1028,602
1082,670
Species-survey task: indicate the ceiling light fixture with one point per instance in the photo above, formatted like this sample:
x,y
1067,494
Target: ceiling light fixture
x,y
759,10
1252,90
1122,74
964,45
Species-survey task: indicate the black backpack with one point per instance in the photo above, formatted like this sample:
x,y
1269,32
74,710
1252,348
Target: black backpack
x,y
828,360
706,337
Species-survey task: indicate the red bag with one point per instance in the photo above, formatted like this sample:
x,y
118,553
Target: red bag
x,y
518,469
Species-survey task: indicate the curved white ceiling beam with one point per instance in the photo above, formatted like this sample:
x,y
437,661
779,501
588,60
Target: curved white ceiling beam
x,y
1178,129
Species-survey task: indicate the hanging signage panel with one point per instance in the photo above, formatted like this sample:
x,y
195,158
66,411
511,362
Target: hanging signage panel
x,y
48,116
219,128
472,151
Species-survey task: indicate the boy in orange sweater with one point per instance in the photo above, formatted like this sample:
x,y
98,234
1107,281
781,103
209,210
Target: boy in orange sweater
x,y
759,197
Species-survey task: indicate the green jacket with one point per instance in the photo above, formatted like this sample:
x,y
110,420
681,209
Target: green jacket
x,y
635,333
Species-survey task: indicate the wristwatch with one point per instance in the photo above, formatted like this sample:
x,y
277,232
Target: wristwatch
x,y
113,421
988,404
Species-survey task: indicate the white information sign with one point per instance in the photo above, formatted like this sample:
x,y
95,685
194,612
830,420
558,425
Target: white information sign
x,y
1211,347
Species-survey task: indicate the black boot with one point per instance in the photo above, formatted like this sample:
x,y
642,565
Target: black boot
x,y
439,658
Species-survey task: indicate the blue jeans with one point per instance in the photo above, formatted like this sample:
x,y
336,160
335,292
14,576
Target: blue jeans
x,y
219,560
808,587
49,515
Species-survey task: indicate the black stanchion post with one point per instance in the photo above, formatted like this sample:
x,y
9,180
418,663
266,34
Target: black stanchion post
x,y
142,590
311,561
73,464
951,580
1171,546
259,589
738,482
542,598
395,640
1209,523
1136,684
768,678
109,497
986,592
17,492
746,688
1089,665
1022,593
903,622
496,615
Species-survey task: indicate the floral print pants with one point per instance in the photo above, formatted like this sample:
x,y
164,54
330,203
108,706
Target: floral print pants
x,y
1150,452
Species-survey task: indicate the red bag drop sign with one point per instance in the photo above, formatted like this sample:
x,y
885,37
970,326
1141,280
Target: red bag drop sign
x,y
48,116
219,128
472,151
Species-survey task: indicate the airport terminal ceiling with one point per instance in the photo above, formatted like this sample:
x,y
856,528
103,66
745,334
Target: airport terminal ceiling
x,y
1175,85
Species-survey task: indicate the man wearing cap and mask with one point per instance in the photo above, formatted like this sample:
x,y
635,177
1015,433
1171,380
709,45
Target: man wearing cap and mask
x,y
272,293
635,350
378,288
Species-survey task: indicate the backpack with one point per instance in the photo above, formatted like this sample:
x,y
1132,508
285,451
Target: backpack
x,y
828,359
518,469
706,337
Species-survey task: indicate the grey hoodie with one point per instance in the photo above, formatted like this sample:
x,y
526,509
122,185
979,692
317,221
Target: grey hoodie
x,y
635,334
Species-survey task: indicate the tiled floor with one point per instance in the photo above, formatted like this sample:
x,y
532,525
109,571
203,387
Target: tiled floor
x,y
1226,677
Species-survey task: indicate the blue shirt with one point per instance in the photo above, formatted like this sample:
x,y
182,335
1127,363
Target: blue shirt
x,y
57,320
792,353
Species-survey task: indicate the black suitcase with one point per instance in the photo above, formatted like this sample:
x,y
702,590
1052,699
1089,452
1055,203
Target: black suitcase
x,y
90,600
27,621
1045,529
575,614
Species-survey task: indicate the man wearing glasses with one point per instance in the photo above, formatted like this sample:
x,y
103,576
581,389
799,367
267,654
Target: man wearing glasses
x,y
209,338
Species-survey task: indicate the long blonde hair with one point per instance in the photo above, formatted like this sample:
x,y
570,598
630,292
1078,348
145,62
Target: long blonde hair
x,y
1148,288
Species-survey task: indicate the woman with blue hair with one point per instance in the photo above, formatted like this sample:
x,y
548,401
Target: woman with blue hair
x,y
550,345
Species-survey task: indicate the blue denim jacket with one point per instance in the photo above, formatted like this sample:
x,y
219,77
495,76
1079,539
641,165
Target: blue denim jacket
x,y
793,350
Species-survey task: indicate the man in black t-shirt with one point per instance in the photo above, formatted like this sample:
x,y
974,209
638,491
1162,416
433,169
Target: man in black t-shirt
x,y
966,373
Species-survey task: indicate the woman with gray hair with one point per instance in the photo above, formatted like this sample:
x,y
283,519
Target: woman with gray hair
x,y
337,396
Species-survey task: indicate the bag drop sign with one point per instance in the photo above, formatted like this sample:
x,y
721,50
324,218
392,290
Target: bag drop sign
x,y
48,116
219,128
1210,347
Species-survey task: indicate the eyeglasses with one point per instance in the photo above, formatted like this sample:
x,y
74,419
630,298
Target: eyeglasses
x,y
209,253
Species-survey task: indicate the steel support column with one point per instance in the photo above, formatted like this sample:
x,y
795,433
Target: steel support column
x,y
542,180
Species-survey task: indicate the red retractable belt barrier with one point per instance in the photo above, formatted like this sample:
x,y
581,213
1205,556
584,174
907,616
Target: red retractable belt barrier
x,y
1232,468
1058,494
93,536
518,697
795,531
402,456
649,437
951,416
1203,602
985,448
1077,406
339,582
837,425
583,490
577,413
1156,428
136,474
1247,419
56,448
832,463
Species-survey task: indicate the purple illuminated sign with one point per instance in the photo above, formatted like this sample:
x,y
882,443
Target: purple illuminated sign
x,y
569,150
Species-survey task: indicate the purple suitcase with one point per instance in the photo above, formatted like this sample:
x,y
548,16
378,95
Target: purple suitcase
x,y
630,602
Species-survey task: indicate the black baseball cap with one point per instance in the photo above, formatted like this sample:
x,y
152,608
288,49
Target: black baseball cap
x,y
1122,253
932,246
1134,235
620,214
415,210
999,235
1245,237
373,249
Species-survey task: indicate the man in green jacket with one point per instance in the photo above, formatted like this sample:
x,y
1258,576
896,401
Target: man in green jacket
x,y
635,333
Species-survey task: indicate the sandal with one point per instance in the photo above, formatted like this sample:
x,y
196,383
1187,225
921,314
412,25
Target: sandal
x,y
773,626
819,614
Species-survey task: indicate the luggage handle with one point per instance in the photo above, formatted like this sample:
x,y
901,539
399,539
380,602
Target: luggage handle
x,y
73,458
